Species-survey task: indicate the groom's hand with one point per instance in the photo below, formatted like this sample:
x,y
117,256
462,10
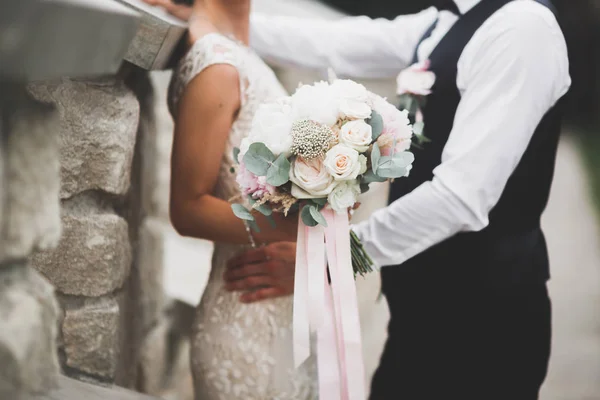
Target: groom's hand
x,y
264,273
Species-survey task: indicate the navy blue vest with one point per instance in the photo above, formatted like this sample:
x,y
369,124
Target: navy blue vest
x,y
511,250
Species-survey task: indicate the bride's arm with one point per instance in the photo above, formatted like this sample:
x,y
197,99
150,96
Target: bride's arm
x,y
358,47
206,113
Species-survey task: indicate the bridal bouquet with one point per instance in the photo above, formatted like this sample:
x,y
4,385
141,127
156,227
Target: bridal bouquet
x,y
318,150
315,152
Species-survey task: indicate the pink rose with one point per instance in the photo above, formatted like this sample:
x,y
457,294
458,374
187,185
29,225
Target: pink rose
x,y
416,79
396,127
252,185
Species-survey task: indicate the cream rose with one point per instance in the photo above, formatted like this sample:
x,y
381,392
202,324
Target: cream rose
x,y
343,162
353,99
310,179
356,134
344,196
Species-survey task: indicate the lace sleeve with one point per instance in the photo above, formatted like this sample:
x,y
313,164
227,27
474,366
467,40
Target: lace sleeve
x,y
209,50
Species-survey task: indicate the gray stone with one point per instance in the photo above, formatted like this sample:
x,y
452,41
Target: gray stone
x,y
31,187
71,389
93,257
99,121
149,272
153,363
91,337
156,39
28,316
42,39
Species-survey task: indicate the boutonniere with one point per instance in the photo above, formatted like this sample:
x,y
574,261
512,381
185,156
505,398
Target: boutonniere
x,y
413,86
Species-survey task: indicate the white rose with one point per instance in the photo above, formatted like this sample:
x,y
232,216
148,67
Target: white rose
x,y
344,196
416,80
356,134
310,179
343,162
316,103
272,126
352,98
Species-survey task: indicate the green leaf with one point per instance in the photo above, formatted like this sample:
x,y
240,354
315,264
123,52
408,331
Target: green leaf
x,y
263,209
376,122
307,217
254,226
371,177
271,221
236,153
320,202
375,156
317,216
418,128
279,172
395,166
364,188
409,103
242,212
258,159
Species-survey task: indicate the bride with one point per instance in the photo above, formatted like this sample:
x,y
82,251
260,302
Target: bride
x,y
239,351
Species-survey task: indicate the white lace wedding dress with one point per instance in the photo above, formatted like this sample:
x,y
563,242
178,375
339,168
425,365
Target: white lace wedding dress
x,y
240,351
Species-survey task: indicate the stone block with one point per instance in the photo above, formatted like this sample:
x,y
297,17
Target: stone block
x,y
93,257
28,317
42,39
149,272
99,121
91,337
157,37
31,175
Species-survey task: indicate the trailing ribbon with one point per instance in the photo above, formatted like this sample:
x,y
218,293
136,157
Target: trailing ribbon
x,y
330,310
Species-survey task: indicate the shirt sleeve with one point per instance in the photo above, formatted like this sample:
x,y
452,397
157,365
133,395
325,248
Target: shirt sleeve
x,y
512,78
357,47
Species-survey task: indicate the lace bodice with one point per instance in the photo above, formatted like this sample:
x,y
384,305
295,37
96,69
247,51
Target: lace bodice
x,y
240,351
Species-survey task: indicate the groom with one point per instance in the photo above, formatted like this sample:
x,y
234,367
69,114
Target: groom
x,y
470,313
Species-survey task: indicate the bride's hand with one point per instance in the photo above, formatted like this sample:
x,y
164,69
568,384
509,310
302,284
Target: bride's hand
x,y
180,11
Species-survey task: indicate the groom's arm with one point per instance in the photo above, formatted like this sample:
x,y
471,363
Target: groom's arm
x,y
357,47
511,81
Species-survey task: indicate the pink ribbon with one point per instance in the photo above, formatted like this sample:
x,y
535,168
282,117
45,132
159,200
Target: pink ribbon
x,y
330,310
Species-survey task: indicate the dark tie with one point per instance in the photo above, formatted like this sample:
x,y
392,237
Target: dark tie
x,y
447,5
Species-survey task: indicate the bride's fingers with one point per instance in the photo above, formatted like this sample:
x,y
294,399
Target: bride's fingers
x,y
250,283
249,257
263,294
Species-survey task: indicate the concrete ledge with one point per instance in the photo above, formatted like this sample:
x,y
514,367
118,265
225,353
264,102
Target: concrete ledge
x,y
70,389
157,37
41,39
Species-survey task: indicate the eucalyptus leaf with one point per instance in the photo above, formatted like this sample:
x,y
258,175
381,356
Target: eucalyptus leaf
x,y
395,166
263,209
307,217
418,128
317,216
271,221
254,226
236,154
371,177
258,159
375,156
321,202
279,172
376,122
242,212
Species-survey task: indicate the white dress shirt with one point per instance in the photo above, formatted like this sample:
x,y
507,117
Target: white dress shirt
x,y
514,69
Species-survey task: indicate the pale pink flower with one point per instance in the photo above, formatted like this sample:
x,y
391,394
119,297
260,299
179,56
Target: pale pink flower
x,y
416,79
396,127
252,185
